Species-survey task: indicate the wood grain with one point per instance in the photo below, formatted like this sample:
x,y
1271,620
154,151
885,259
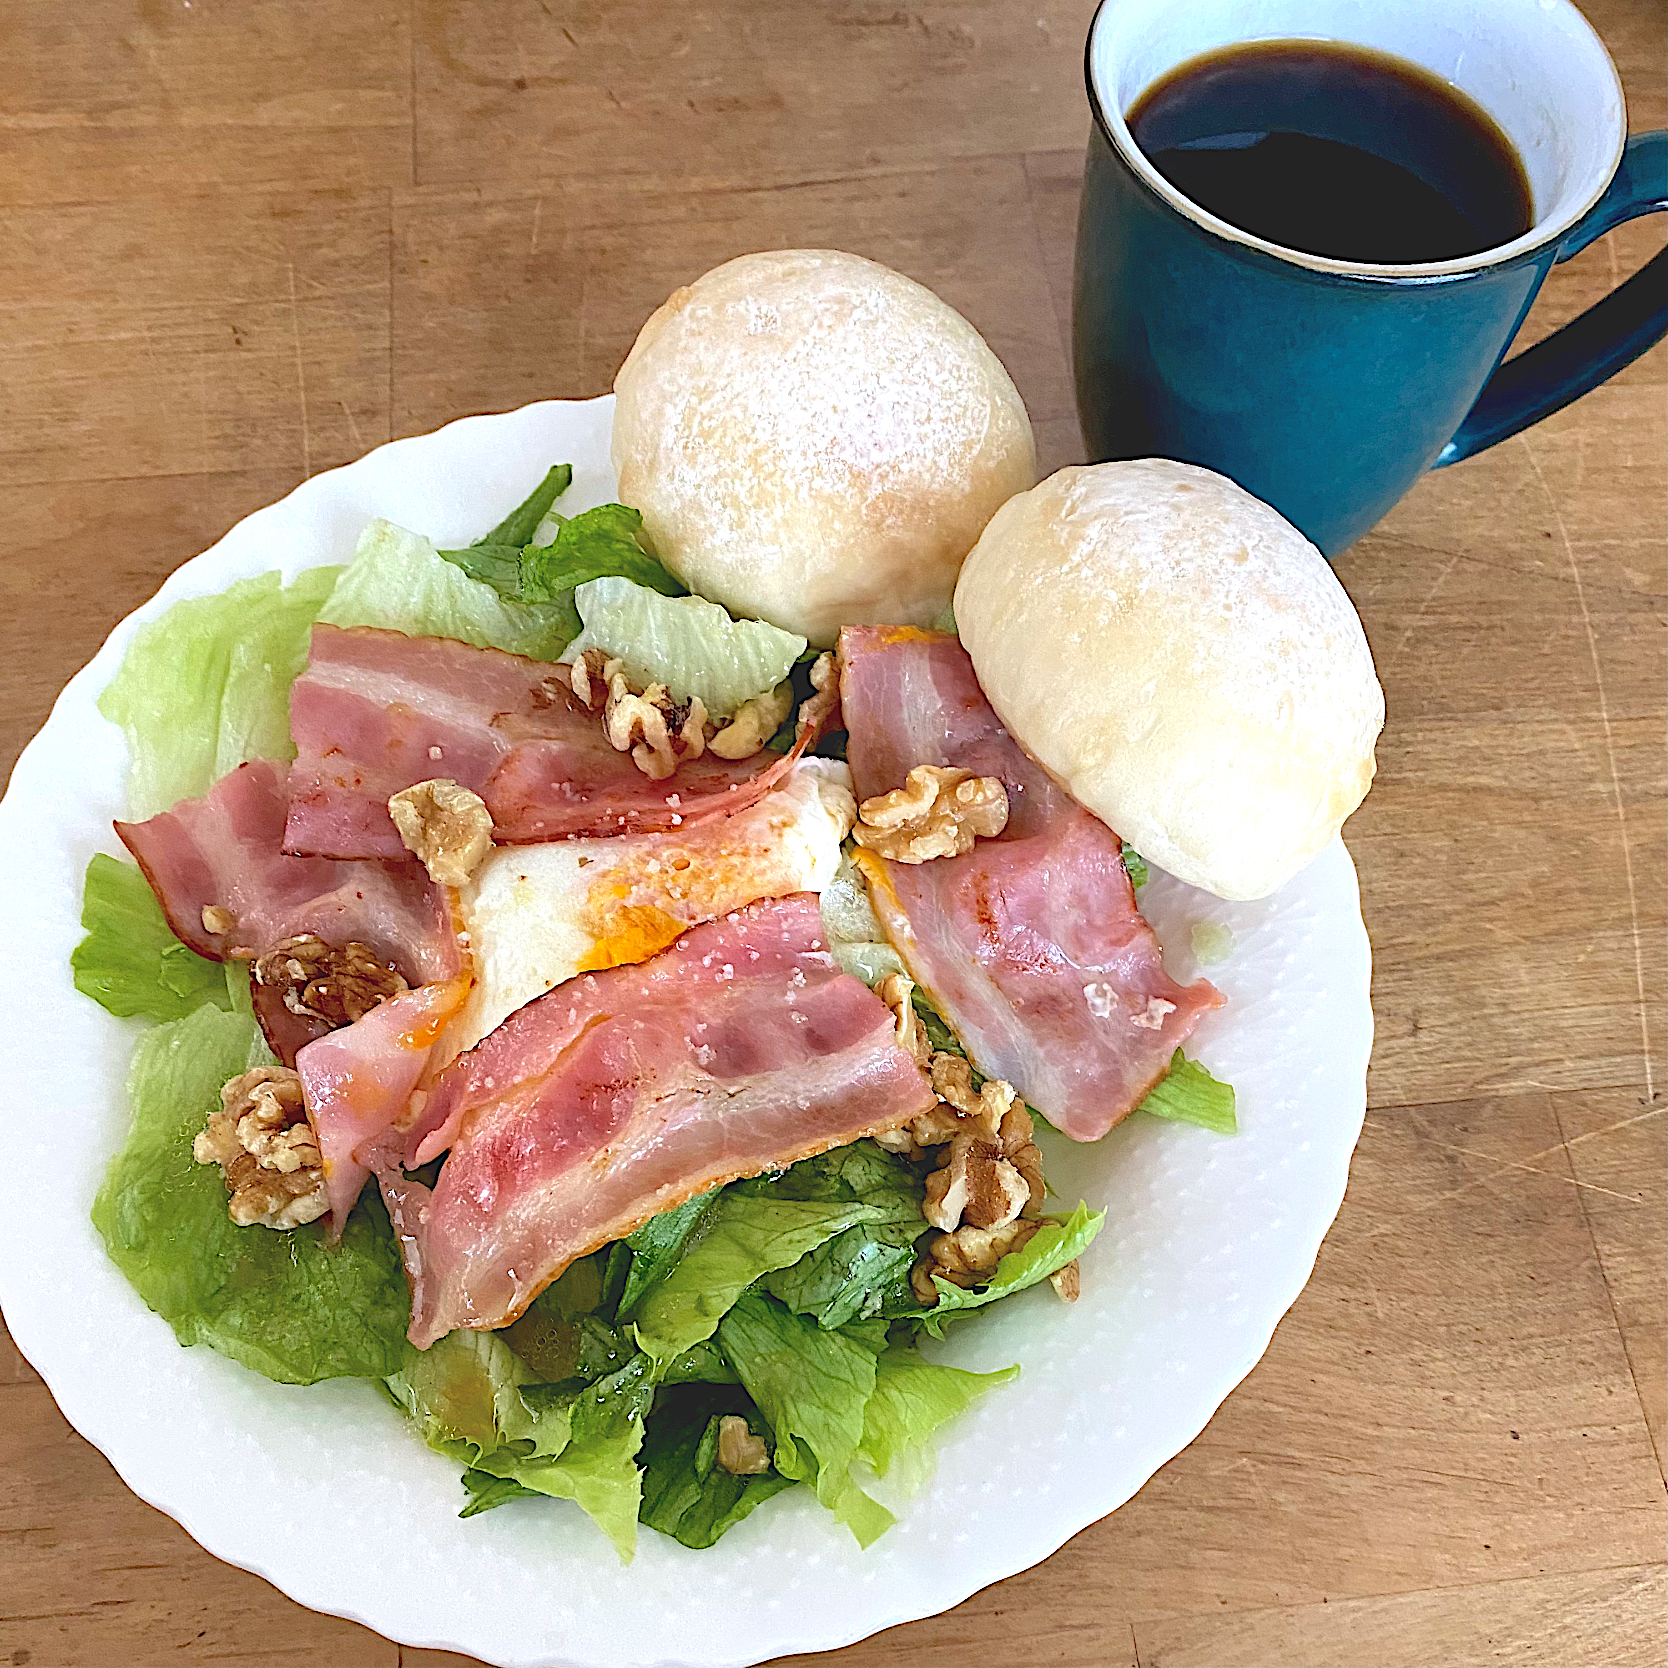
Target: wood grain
x,y
245,243
1610,1617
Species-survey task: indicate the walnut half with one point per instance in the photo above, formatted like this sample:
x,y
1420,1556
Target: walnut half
x,y
336,983
263,1142
740,1452
967,1257
939,812
754,723
447,825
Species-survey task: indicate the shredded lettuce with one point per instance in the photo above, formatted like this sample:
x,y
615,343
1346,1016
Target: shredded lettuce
x,y
400,582
206,685
689,644
1190,1095
1052,1246
286,1304
812,1386
130,962
686,1494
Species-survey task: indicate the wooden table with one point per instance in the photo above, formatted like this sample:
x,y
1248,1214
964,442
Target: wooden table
x,y
243,243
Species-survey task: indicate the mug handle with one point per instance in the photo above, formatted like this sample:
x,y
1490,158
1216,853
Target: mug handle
x,y
1592,348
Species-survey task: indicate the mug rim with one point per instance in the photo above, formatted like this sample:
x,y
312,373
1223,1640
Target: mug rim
x,y
1115,130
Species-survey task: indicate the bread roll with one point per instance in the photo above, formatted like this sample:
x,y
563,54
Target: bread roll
x,y
816,441
1183,660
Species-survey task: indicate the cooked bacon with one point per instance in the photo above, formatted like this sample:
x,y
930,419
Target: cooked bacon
x,y
358,1081
622,1093
1030,944
376,712
223,855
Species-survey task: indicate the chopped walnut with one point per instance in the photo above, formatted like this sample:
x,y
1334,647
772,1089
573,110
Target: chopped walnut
x,y
967,1257
975,1184
939,812
263,1142
324,981
740,1452
825,681
1067,1282
636,724
754,723
217,919
586,671
446,825
1020,1149
952,1081
896,990
690,737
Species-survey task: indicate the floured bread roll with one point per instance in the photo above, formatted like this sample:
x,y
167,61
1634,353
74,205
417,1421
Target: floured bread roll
x,y
1182,659
816,440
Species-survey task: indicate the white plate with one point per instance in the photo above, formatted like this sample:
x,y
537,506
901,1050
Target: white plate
x,y
1207,1243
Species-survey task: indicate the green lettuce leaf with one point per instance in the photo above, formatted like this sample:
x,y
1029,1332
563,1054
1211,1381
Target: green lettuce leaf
x,y
568,1352
846,1278
659,1243
689,644
206,685
473,1398
598,1467
463,1393
912,1398
685,1494
812,1386
849,1277
1190,1095
284,1303
701,1363
519,526
1135,866
486,1491
495,558
740,1238
862,1173
497,565
400,582
1050,1248
130,962
594,543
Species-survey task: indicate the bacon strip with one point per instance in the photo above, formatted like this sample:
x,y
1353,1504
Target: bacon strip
x,y
358,1081
622,1093
1030,944
377,711
225,852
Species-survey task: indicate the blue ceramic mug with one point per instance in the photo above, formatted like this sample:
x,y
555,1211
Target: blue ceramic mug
x,y
1327,387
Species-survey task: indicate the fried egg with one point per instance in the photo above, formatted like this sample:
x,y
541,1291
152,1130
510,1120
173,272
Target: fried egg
x,y
536,915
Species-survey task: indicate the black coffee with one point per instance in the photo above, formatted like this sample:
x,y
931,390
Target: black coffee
x,y
1335,150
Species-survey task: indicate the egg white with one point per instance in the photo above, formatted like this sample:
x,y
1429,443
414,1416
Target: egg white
x,y
537,915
